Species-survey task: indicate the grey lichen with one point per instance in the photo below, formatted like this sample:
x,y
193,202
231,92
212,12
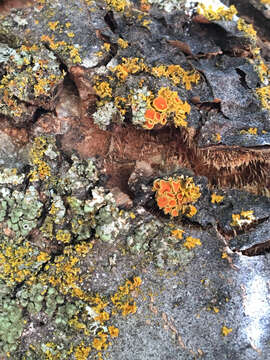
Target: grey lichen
x,y
106,114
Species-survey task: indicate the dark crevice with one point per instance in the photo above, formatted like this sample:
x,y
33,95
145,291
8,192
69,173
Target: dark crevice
x,y
38,113
242,78
110,21
258,249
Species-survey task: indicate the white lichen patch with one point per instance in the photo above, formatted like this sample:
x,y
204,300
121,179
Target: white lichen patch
x,y
105,114
139,105
10,176
168,5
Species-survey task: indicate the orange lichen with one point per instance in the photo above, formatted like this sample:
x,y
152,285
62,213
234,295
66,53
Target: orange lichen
x,y
175,195
160,103
166,104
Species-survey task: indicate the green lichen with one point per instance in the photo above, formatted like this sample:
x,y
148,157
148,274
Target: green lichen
x,y
12,323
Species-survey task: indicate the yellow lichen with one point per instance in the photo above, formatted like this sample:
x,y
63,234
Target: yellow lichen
x,y
251,131
82,352
226,331
129,66
117,5
41,168
122,43
53,25
63,236
264,95
177,75
99,343
244,218
113,331
192,242
221,13
178,233
215,199
122,299
247,29
103,89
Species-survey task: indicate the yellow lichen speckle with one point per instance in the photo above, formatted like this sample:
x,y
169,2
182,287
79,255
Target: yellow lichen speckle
x,y
226,331
53,25
244,218
264,95
215,199
117,5
114,331
63,236
178,233
82,352
122,43
192,242
251,131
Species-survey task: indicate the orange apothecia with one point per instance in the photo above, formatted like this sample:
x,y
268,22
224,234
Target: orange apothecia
x,y
176,195
166,104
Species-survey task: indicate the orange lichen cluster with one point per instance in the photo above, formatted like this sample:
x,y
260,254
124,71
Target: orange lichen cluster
x,y
166,104
122,300
175,195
